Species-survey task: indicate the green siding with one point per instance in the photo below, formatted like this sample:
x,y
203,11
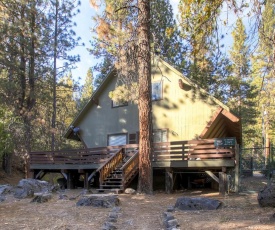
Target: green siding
x,y
184,113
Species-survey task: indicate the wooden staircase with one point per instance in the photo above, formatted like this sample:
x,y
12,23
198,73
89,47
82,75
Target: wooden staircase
x,y
126,168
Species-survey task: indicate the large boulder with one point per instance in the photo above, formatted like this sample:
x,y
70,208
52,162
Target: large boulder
x,y
266,197
98,200
27,188
197,203
5,189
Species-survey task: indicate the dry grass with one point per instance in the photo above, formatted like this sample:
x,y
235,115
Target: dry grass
x,y
140,212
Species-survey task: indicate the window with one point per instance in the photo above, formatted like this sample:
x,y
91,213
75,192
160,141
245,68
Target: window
x,y
160,135
119,104
133,138
156,91
117,139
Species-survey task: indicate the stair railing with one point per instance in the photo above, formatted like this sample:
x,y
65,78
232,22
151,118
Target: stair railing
x,y
129,169
106,169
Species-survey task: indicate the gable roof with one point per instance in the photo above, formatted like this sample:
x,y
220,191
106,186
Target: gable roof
x,y
94,100
223,124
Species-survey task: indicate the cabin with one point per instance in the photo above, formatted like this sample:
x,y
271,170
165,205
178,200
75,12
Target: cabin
x,y
195,137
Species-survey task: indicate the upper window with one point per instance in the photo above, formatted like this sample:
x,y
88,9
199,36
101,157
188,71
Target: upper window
x,y
119,104
160,135
117,139
156,91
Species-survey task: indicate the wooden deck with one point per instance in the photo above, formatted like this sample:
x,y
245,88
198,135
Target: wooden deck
x,y
180,154
123,161
72,159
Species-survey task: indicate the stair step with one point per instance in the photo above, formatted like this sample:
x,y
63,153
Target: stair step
x,y
110,186
113,182
116,171
115,176
114,179
117,191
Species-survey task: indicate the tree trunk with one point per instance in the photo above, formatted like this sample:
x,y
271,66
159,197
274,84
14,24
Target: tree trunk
x,y
145,184
7,163
54,76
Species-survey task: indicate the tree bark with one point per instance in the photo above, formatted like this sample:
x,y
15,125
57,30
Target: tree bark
x,y
54,76
145,184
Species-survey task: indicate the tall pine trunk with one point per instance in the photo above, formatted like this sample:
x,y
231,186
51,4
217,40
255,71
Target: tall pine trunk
x,y
145,184
54,75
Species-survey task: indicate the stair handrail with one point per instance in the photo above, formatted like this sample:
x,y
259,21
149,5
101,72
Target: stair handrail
x,y
106,169
130,159
127,171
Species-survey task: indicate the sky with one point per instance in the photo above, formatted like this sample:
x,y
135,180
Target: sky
x,y
85,24
83,29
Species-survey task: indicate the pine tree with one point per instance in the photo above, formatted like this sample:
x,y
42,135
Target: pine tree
x,y
241,96
165,39
60,17
198,29
263,72
87,89
22,62
125,34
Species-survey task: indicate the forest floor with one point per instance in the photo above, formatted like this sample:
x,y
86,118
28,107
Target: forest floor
x,y
141,212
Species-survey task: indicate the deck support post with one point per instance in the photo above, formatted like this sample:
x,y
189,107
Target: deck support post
x,y
223,183
168,180
86,180
70,180
237,168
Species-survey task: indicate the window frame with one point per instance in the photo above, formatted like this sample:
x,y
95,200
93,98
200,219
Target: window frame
x,y
117,134
161,130
160,91
121,104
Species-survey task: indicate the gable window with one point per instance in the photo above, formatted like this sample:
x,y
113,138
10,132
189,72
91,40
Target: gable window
x,y
117,139
160,135
156,91
119,104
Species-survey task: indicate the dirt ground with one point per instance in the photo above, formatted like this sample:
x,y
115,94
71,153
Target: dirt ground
x,y
140,212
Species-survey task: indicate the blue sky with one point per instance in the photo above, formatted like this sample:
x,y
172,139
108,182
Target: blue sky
x,y
84,24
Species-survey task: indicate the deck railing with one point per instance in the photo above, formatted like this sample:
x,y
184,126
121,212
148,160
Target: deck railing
x,y
74,156
191,150
166,151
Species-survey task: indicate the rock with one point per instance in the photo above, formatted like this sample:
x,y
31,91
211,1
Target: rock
x,y
42,197
169,221
129,191
21,193
113,215
2,198
63,197
108,226
168,216
172,223
27,188
187,203
99,200
170,209
266,197
112,220
116,209
5,189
